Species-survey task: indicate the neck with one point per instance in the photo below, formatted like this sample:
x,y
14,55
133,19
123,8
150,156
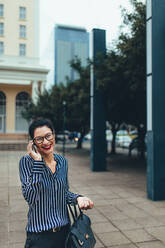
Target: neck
x,y
48,158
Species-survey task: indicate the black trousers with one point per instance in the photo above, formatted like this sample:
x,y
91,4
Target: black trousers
x,y
47,239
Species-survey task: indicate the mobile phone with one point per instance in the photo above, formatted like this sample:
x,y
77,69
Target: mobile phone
x,y
34,148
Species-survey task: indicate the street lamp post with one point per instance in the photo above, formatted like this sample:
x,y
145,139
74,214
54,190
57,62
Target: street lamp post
x,y
64,110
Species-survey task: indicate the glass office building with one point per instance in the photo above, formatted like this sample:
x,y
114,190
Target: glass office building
x,y
70,41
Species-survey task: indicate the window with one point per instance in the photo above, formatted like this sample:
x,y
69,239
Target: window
x,y
22,13
1,28
22,31
22,100
1,47
1,10
2,112
22,50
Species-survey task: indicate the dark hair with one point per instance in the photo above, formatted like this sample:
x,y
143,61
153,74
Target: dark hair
x,y
39,123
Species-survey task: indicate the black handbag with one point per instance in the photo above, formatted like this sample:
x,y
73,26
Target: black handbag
x,y
80,234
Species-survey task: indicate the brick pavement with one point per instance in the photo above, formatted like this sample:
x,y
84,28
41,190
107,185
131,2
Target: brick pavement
x,y
122,217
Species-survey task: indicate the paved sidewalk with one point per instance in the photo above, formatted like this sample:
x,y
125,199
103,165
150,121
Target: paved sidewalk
x,y
122,216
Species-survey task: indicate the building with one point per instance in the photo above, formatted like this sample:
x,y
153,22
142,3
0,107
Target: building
x,y
70,41
21,76
47,59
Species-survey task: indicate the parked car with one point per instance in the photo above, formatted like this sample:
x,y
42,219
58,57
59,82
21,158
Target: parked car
x,y
74,136
60,136
123,141
122,133
133,134
109,136
87,136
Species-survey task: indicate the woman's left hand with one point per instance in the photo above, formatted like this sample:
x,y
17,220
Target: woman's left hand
x,y
84,202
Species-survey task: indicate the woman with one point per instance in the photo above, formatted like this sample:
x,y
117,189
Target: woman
x,y
43,175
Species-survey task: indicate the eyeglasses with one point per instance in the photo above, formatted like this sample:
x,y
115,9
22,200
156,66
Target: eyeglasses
x,y
40,139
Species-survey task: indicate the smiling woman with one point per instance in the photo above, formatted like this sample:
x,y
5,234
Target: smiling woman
x,y
44,179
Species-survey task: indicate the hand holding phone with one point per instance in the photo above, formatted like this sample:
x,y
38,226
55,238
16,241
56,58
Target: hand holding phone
x,y
34,148
33,151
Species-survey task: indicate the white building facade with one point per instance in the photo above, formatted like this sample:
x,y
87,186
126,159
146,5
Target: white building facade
x,y
21,75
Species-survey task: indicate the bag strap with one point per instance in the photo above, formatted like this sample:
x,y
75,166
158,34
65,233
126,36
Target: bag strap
x,y
74,212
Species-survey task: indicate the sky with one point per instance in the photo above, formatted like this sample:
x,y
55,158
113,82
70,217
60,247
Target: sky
x,y
104,14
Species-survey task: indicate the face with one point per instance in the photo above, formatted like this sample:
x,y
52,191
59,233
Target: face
x,y
47,146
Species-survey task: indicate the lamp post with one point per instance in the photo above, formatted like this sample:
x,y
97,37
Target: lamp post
x,y
64,106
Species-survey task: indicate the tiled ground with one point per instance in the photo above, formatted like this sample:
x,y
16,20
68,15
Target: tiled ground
x,y
122,217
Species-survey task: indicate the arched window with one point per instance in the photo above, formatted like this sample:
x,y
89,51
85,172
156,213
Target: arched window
x,y
21,125
2,112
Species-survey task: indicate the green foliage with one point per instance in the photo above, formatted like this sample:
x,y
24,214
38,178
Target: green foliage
x,y
49,106
77,98
123,73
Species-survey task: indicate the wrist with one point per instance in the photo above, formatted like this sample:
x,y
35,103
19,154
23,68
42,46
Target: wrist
x,y
79,196
77,199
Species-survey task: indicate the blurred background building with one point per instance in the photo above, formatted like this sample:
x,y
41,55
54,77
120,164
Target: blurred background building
x,y
21,75
70,41
47,59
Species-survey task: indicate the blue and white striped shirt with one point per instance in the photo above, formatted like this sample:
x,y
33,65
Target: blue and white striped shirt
x,y
46,193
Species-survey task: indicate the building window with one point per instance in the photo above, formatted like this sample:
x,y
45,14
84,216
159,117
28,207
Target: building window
x,y
1,28
2,112
1,10
22,13
22,31
22,100
22,50
1,47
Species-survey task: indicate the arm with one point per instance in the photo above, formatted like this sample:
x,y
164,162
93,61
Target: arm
x,y
70,197
31,178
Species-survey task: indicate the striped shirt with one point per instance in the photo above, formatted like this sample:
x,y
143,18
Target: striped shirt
x,y
47,194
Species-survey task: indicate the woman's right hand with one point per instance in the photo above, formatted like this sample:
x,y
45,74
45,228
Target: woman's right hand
x,y
34,154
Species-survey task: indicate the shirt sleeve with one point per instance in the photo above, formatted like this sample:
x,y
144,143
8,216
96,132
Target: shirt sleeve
x,y
70,197
31,178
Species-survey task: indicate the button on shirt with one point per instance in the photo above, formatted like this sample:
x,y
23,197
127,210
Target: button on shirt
x,y
47,194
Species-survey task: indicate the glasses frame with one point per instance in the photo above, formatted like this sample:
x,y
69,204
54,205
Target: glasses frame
x,y
42,137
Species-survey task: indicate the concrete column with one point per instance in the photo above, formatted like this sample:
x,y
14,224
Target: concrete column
x,y
43,85
98,141
10,113
35,91
155,99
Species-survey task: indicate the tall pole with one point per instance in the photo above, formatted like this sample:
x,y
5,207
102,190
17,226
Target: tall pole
x,y
97,123
64,106
155,99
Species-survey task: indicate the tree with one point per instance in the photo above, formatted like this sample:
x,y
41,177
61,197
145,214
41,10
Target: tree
x,y
49,105
75,94
133,49
78,100
123,74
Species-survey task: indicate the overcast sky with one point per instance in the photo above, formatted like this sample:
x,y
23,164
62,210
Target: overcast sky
x,y
105,14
